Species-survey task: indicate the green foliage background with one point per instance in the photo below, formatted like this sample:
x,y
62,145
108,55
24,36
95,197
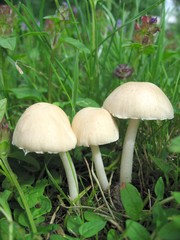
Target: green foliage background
x,y
71,63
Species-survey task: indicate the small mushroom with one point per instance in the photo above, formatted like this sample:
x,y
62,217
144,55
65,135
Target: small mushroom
x,y
44,127
135,101
94,127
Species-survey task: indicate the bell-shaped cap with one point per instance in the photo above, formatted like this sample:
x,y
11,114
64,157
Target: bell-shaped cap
x,y
44,127
139,100
94,126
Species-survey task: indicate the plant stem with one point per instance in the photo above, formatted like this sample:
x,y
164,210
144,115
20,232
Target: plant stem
x,y
21,194
10,220
70,174
127,152
57,4
93,24
99,166
94,61
3,84
50,77
167,200
76,83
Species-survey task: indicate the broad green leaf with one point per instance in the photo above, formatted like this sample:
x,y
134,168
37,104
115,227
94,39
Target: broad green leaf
x,y
45,229
8,43
4,148
159,189
91,216
86,102
4,196
3,103
26,93
4,229
176,195
89,229
21,217
18,232
66,237
159,215
113,235
170,231
135,231
6,184
175,145
33,194
42,207
40,219
132,202
57,237
73,223
76,43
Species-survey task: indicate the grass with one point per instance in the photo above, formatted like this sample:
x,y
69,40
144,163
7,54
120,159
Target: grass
x,y
69,59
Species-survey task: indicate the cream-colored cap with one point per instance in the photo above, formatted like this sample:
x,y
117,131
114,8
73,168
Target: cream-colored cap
x,y
44,127
94,126
139,100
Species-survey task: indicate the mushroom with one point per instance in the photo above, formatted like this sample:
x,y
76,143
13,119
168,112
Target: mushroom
x,y
94,127
44,127
135,101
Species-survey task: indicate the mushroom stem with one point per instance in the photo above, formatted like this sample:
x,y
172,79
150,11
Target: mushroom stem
x,y
127,152
70,174
99,166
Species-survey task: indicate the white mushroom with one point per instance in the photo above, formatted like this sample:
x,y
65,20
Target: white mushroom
x,y
44,127
94,127
135,101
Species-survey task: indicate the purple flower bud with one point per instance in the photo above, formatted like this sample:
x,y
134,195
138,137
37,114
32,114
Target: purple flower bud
x,y
144,32
153,20
123,71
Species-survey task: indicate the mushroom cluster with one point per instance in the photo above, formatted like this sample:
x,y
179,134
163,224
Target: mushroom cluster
x,y
44,127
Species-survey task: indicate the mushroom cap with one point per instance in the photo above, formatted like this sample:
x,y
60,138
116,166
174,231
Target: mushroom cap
x,y
94,126
44,127
139,100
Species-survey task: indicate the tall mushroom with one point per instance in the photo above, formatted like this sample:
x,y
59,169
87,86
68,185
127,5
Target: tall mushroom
x,y
94,127
44,127
135,101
